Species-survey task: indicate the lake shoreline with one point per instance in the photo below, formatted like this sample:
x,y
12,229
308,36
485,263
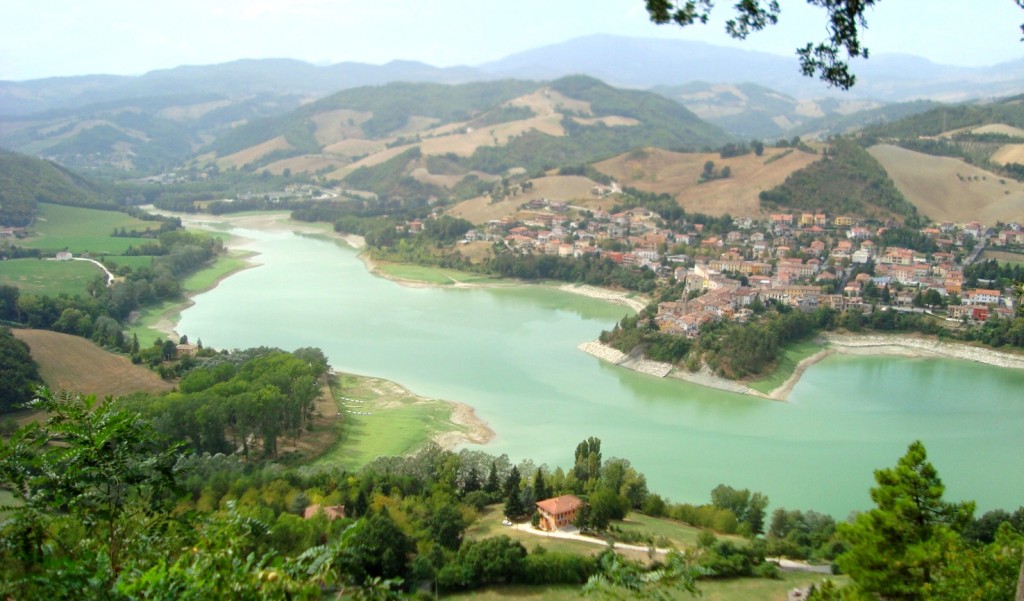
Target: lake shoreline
x,y
469,428
909,346
480,432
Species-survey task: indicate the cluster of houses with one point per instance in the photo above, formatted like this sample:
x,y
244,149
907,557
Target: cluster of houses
x,y
803,260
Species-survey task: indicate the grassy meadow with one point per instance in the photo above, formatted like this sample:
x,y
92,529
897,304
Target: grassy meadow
x,y
80,231
742,589
83,230
432,275
792,355
1003,257
50,278
382,419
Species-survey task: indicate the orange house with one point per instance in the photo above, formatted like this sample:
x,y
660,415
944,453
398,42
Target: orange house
x,y
333,512
558,512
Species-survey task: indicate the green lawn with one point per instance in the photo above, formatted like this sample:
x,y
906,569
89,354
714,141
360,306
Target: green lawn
x,y
83,230
143,327
792,355
1003,256
398,422
488,524
742,589
759,589
43,277
681,535
135,261
207,278
432,275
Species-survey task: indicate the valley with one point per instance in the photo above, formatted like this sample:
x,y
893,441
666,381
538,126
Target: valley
x,y
345,321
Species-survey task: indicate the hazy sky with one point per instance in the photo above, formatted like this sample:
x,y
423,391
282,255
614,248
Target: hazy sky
x,y
45,38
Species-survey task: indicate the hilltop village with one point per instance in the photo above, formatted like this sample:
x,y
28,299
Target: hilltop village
x,y
805,260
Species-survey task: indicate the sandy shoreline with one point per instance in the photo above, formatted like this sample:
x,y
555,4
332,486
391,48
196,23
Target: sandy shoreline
x,y
633,300
477,430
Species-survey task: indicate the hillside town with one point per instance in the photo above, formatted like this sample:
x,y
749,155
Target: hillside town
x,y
805,260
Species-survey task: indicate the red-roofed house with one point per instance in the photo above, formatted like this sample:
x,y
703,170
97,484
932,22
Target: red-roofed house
x,y
558,512
333,512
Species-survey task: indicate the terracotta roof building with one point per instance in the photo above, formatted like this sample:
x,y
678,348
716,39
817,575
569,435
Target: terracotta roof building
x,y
333,512
558,512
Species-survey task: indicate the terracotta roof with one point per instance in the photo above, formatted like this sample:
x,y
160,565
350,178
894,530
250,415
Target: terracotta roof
x,y
560,504
333,512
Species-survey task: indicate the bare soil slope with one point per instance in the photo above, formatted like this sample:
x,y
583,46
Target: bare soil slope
x,y
560,188
948,189
71,363
676,173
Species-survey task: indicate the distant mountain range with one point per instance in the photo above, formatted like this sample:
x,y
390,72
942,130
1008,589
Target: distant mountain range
x,y
619,61
154,122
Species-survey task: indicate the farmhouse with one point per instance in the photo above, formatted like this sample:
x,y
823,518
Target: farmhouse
x,y
333,512
558,512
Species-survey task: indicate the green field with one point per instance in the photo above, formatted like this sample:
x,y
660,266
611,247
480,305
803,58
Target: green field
x,y
681,535
740,589
134,262
208,277
792,355
145,324
398,423
432,275
43,277
83,230
1003,257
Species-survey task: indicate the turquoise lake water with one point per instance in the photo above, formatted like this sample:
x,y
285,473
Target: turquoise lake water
x,y
511,354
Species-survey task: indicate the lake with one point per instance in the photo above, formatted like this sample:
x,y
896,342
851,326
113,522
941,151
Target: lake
x,y
511,354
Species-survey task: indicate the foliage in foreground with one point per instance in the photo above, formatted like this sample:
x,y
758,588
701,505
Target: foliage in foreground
x,y
109,509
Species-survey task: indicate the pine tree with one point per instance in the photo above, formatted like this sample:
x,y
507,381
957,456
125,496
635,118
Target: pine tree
x,y
540,488
897,549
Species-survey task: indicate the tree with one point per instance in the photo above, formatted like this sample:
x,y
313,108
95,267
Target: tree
x,y
94,483
491,485
749,508
897,549
19,374
621,578
709,170
588,459
376,548
825,59
540,489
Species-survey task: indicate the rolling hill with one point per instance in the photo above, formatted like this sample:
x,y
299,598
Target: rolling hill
x,y
69,362
25,181
948,189
678,174
374,136
143,135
